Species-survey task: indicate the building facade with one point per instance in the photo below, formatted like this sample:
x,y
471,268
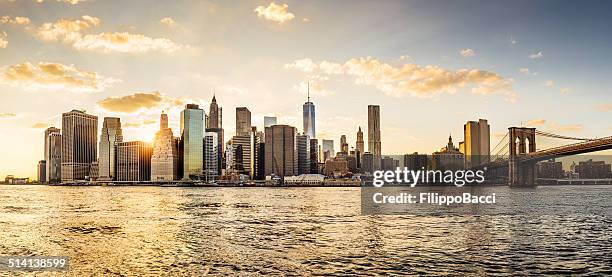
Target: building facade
x,y
359,144
308,117
374,140
41,171
165,156
448,158
79,144
110,135
303,151
134,161
476,142
53,155
269,121
211,156
327,146
192,132
243,121
281,157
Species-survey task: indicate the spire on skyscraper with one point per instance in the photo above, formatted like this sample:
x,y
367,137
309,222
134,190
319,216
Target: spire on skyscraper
x,y
308,92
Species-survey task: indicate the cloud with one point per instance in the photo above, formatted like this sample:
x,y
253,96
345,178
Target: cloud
x,y
72,32
467,52
513,40
605,107
410,79
565,90
18,20
139,124
537,55
524,70
3,41
536,122
39,125
316,88
566,128
274,12
53,76
168,21
72,2
7,115
305,19
137,101
549,83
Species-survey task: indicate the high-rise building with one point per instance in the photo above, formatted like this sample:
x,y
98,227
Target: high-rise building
x,y
110,135
221,149
303,151
53,155
79,144
192,132
246,145
477,145
416,161
211,156
260,168
165,156
374,143
243,121
134,161
448,158
42,171
388,163
215,115
269,121
281,153
328,149
344,147
359,143
309,117
314,156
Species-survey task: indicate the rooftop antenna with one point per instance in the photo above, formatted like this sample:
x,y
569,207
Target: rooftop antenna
x,y
308,91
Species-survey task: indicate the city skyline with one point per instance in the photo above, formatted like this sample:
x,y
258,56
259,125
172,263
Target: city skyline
x,y
532,58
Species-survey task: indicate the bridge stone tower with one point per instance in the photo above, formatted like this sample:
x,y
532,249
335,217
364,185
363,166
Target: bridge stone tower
x,y
522,142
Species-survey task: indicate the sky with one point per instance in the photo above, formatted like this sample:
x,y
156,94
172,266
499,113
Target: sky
x,y
430,65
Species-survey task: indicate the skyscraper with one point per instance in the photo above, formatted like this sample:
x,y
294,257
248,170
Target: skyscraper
x,y
309,117
246,145
134,161
53,155
269,121
42,171
192,132
211,156
79,144
165,156
374,135
328,149
303,151
314,156
110,135
476,147
281,151
243,121
359,143
344,147
215,115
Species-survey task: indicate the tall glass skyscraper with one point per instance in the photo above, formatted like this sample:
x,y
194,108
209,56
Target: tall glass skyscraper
x,y
309,117
192,133
109,137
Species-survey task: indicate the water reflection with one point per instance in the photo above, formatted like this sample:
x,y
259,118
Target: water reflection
x,y
194,231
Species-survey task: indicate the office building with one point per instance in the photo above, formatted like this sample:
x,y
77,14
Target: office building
x,y
336,168
165,156
476,137
367,163
220,145
79,144
110,135
192,132
327,146
41,171
550,169
134,161
359,143
53,155
448,158
416,161
344,147
388,163
593,169
269,121
215,115
303,150
243,121
309,117
314,156
211,156
374,140
281,157
243,147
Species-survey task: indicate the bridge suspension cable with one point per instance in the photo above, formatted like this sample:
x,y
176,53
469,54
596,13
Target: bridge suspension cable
x,y
501,142
551,135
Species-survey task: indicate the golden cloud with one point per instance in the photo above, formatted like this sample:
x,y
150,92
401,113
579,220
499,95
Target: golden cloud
x,y
411,79
54,76
18,20
605,107
7,115
132,102
566,128
72,2
3,41
168,21
139,124
536,122
39,125
72,32
274,12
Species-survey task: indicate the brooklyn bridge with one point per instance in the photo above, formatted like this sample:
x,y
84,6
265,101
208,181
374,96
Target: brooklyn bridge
x,y
515,157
